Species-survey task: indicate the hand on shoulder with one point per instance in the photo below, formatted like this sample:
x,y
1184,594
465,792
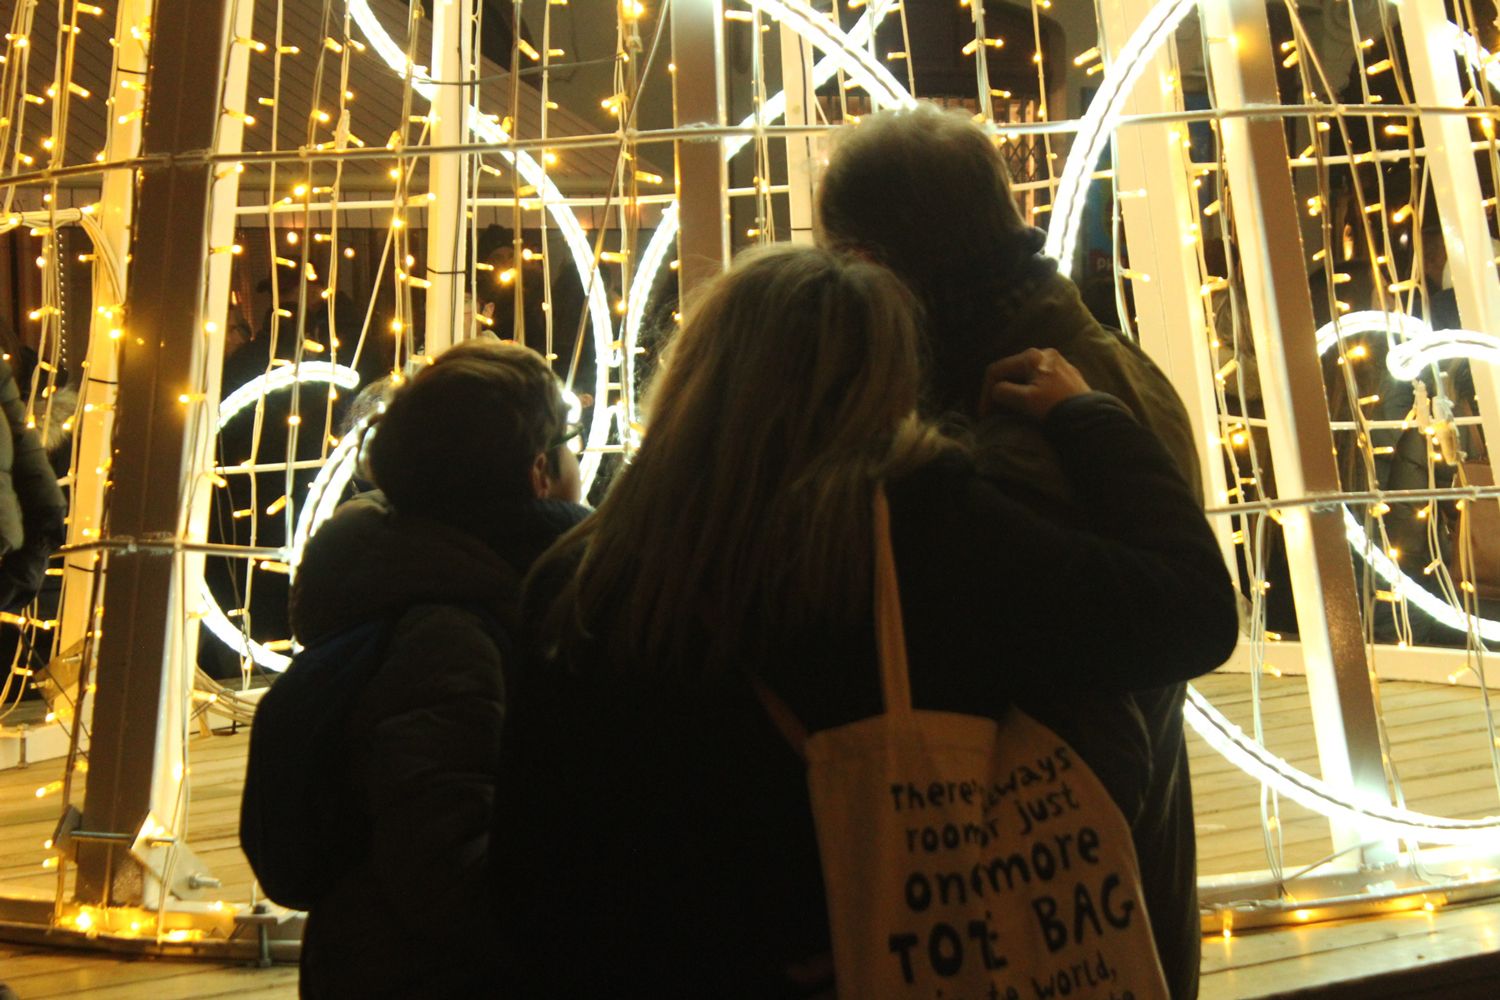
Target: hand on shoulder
x,y
1030,383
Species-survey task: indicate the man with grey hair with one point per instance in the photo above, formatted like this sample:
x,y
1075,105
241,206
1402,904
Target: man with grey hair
x,y
926,193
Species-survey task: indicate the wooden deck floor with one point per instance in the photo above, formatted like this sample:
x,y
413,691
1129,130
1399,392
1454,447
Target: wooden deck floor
x,y
1439,745
1438,738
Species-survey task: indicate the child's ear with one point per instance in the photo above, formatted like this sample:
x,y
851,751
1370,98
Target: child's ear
x,y
539,479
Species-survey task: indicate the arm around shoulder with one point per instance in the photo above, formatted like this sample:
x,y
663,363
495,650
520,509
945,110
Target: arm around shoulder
x,y
1174,586
1135,597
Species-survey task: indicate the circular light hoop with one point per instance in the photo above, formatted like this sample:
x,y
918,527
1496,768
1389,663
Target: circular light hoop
x,y
245,396
1317,795
326,489
1405,359
567,223
1098,124
1062,235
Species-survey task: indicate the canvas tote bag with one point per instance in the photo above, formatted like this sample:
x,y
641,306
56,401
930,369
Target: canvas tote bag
x,y
967,859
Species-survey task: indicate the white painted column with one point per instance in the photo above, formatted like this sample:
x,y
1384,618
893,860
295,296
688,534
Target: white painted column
x,y
447,225
797,58
135,808
1279,304
702,178
1430,47
96,398
1170,316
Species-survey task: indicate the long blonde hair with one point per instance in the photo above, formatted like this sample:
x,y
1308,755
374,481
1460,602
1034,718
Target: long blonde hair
x,y
790,391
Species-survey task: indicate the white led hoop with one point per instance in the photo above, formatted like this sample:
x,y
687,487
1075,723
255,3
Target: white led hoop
x,y
1099,122
245,396
284,377
567,224
1317,795
326,489
1217,731
1405,360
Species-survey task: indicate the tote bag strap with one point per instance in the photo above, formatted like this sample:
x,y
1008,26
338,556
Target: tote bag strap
x,y
890,632
890,641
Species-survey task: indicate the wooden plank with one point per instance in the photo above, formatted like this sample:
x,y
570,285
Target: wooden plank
x,y
184,981
1256,965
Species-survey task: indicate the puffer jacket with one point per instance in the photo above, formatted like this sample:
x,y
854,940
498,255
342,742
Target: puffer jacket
x,y
32,507
409,916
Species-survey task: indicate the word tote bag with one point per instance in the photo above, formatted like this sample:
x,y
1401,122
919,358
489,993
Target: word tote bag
x,y
965,858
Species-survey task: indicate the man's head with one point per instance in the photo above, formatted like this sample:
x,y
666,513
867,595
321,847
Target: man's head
x,y
924,192
473,430
921,190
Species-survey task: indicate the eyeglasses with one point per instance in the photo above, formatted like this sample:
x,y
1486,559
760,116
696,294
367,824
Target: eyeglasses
x,y
568,433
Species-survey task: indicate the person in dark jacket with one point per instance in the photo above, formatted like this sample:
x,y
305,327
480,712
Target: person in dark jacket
x,y
653,831
460,456
32,508
926,193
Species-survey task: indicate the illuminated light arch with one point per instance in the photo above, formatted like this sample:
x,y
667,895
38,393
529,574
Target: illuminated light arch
x,y
1378,819
1405,360
308,372
1095,130
1098,123
1228,739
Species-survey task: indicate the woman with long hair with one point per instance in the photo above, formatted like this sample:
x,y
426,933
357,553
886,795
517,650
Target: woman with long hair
x,y
653,828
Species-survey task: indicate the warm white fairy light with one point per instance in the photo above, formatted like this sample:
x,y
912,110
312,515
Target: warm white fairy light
x,y
1419,346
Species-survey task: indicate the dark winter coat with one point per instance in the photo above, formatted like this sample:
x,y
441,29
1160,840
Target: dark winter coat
x,y
654,836
409,916
32,507
1139,748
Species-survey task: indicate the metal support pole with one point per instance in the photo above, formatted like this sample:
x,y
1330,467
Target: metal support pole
x,y
1170,317
702,177
169,379
96,403
1430,47
1281,318
801,166
447,225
